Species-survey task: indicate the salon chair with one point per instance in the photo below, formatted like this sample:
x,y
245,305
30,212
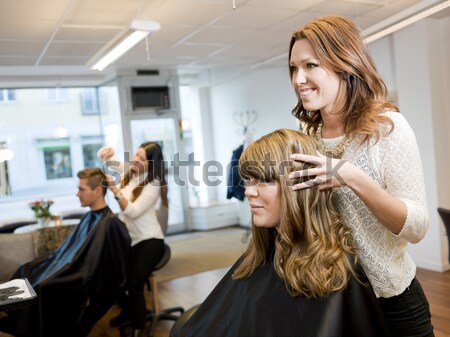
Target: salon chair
x,y
156,314
12,226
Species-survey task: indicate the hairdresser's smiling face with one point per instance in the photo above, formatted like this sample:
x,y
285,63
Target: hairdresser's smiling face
x,y
265,202
318,88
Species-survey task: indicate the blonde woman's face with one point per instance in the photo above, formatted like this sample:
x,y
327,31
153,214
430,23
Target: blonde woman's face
x,y
265,202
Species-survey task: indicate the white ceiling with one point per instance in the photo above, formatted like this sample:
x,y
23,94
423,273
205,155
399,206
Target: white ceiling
x,y
48,37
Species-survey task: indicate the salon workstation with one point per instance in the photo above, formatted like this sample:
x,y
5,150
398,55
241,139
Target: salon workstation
x,y
122,85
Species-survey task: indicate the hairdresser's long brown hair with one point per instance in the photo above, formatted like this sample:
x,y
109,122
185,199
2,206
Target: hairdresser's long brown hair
x,y
312,253
340,48
156,172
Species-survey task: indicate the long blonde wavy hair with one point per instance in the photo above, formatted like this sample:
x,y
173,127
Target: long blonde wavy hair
x,y
340,48
310,247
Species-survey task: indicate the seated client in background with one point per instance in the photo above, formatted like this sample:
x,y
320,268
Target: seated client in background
x,y
80,281
299,275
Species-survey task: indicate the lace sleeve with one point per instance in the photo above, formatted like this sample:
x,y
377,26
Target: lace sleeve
x,y
403,176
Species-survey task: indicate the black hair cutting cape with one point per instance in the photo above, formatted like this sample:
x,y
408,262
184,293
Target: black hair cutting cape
x,y
260,305
77,283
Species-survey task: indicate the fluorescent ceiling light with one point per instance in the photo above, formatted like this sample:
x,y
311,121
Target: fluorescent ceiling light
x,y
139,29
408,21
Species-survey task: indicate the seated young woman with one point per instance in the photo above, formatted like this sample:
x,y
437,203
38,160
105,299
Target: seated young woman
x,y
300,274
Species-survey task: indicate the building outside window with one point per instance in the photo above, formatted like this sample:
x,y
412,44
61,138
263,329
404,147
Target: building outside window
x,y
91,145
51,143
57,94
7,96
57,162
89,102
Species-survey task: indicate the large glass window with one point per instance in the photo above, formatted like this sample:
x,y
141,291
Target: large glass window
x,y
52,142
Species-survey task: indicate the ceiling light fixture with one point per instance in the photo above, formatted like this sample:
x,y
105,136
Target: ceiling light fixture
x,y
138,30
412,19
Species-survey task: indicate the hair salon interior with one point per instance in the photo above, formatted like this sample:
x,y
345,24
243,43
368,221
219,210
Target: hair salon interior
x,y
207,76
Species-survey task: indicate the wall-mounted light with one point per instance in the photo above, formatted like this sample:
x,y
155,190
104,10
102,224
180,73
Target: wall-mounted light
x,y
138,30
62,132
5,153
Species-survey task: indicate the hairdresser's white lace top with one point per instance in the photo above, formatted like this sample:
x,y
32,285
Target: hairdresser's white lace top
x,y
394,163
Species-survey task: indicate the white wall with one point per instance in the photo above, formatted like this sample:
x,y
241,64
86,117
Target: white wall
x,y
414,64
268,91
382,52
415,86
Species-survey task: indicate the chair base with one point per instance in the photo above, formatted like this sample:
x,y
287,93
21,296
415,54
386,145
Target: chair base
x,y
125,329
163,315
181,321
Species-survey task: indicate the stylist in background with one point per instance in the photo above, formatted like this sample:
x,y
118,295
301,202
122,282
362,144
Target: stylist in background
x,y
142,188
369,155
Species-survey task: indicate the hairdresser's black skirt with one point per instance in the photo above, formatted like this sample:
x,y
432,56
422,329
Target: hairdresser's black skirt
x,y
261,306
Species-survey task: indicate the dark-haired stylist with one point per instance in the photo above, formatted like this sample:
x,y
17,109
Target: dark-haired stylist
x,y
141,191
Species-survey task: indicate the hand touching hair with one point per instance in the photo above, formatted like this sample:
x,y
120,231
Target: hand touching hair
x,y
310,248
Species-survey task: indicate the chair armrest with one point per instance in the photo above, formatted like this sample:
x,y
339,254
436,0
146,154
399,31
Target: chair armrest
x,y
15,249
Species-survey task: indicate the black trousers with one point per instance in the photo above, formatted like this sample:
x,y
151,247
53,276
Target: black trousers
x,y
144,258
408,314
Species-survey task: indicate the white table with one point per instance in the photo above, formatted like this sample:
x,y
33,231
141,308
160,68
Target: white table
x,y
31,228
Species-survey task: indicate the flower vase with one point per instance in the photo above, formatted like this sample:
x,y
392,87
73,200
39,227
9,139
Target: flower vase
x,y
44,222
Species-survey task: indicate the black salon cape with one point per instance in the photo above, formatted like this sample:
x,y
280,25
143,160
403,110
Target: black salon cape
x,y
77,283
260,306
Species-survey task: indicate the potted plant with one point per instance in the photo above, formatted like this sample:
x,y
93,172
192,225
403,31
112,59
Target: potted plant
x,y
41,209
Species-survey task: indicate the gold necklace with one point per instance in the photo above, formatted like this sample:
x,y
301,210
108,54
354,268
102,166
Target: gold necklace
x,y
337,151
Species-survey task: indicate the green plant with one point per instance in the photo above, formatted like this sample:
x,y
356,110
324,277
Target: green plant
x,y
41,208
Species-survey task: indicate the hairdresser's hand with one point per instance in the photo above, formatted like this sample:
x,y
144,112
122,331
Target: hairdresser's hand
x,y
326,172
105,153
111,183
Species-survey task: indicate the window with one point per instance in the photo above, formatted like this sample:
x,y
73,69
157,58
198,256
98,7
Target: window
x,y
52,141
7,96
57,162
93,101
91,145
57,95
89,102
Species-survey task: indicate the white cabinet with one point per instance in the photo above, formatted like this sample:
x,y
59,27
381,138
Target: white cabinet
x,y
213,215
